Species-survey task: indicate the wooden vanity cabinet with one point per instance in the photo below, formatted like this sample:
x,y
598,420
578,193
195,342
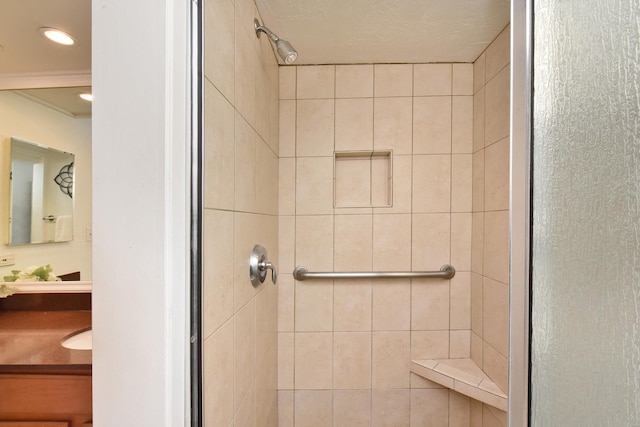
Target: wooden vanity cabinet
x,y
45,400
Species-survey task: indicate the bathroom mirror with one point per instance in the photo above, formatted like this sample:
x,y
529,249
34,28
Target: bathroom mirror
x,y
40,194
58,119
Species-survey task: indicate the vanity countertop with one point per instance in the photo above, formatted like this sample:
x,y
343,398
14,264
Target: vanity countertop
x,y
30,341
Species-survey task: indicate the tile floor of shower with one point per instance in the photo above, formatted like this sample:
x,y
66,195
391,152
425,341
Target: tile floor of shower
x,y
338,353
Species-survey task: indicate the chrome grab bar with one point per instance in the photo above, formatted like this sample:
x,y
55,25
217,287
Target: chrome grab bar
x,y
446,272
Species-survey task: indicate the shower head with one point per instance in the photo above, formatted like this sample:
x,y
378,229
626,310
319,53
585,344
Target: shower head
x,y
283,47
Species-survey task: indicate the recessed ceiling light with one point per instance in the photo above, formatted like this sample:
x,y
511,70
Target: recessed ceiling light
x,y
57,36
86,96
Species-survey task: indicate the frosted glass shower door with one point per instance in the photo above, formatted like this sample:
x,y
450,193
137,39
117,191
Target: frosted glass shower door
x,y
585,342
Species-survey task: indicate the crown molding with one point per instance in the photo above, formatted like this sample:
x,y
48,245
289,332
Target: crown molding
x,y
44,80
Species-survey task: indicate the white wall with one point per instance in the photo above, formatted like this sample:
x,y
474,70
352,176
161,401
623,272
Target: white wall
x,y
31,121
140,221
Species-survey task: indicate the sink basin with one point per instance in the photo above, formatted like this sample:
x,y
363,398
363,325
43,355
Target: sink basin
x,y
81,340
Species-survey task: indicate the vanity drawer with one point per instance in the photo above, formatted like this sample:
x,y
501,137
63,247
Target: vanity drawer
x,y
45,400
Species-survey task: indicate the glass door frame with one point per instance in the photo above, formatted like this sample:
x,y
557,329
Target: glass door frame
x,y
520,211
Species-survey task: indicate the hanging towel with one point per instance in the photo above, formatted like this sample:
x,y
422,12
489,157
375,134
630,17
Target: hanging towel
x,y
64,228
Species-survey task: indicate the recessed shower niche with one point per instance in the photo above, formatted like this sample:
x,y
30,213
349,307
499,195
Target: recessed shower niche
x,y
362,179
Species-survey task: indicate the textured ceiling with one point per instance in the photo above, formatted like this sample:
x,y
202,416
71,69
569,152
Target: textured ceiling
x,y
386,31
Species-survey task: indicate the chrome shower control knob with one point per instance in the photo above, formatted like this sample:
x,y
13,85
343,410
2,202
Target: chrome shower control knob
x,y
258,266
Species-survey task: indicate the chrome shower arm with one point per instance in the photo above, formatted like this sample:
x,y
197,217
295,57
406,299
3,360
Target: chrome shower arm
x,y
265,30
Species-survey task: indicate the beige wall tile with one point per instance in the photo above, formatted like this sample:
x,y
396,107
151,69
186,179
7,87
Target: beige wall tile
x,y
488,419
420,382
218,277
313,408
392,242
429,304
352,305
429,408
287,186
244,332
461,182
461,241
352,408
432,79
262,101
315,127
285,360
352,182
246,412
354,81
430,241
314,242
479,72
495,366
476,413
245,74
381,180
313,361
273,110
314,306
352,360
479,120
462,124
476,349
314,186
432,125
501,416
245,232
286,302
266,389
497,107
460,301
460,344
496,245
429,345
219,32
316,82
431,183
402,175
495,308
496,161
392,305
219,150
462,79
287,128
285,408
266,179
286,243
266,318
498,53
393,80
477,242
218,376
245,12
354,124
392,124
476,304
245,166
459,410
391,359
353,241
390,408
478,181
287,82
